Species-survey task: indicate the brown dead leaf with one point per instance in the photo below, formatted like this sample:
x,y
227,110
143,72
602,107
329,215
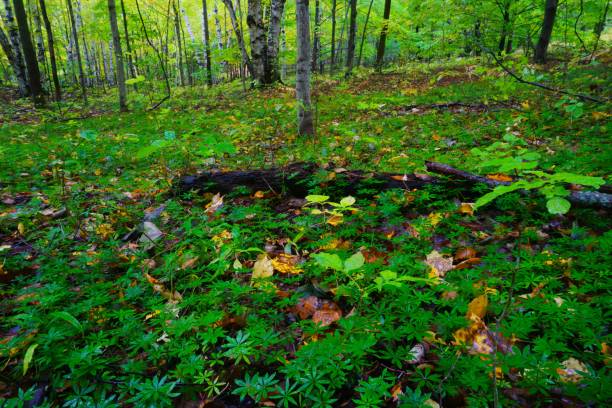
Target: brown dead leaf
x,y
439,264
327,314
189,263
215,204
465,253
396,391
468,263
570,370
335,220
307,306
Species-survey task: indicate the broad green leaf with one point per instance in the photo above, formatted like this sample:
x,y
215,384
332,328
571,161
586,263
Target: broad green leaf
x,y
347,201
388,275
578,179
27,359
317,198
558,205
134,81
68,318
501,190
329,261
354,262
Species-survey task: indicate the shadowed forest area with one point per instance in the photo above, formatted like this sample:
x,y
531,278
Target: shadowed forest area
x,y
305,203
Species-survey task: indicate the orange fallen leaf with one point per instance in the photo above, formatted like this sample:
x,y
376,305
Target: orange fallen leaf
x,y
466,208
499,177
335,220
468,263
465,253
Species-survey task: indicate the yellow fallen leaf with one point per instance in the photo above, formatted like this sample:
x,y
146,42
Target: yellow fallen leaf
x,y
335,220
466,208
262,268
285,267
499,177
434,219
21,228
478,307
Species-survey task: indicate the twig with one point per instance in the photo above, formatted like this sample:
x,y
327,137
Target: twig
x,y
537,84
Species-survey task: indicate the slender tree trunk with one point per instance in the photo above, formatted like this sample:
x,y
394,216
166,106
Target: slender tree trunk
x,y
40,42
75,38
363,34
382,41
21,74
29,54
350,52
283,48
218,32
238,32
130,58
272,74
51,47
206,39
550,12
333,36
112,12
505,28
79,25
302,83
179,45
316,41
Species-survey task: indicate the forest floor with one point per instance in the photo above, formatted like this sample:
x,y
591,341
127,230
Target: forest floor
x,y
117,289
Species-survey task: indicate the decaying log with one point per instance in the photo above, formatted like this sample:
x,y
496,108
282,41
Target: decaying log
x,y
294,180
590,198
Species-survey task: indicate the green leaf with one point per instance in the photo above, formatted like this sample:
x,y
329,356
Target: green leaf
x,y
27,359
329,261
558,205
354,262
347,201
578,179
317,198
501,190
388,275
67,317
134,81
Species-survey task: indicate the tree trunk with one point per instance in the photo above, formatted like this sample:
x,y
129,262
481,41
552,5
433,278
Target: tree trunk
x,y
258,40
350,52
218,32
206,39
29,54
51,47
316,43
40,42
179,44
302,82
505,27
333,36
112,12
550,12
130,58
363,34
238,32
75,38
19,67
277,8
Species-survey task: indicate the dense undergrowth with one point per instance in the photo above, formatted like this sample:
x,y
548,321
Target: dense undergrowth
x,y
400,297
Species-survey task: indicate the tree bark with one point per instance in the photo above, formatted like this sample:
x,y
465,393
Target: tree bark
x,y
179,44
51,46
19,68
29,54
333,36
363,34
277,8
258,40
550,13
112,12
40,42
302,83
206,39
75,38
130,58
294,179
350,52
316,43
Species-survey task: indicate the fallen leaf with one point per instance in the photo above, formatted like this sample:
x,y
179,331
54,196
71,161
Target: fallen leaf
x,y
262,268
335,220
327,314
396,391
468,263
478,307
499,177
434,219
306,306
417,353
465,253
215,204
570,370
466,208
189,263
285,264
439,264
150,234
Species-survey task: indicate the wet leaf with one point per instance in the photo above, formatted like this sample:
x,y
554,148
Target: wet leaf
x,y
478,307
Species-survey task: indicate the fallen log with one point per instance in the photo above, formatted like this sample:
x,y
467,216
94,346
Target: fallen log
x,y
296,180
590,198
